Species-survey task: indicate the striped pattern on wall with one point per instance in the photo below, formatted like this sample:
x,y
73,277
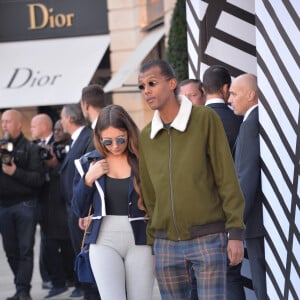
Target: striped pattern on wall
x,y
277,45
262,37
221,32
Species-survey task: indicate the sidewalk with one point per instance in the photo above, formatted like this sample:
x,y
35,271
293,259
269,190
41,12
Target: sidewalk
x,y
7,287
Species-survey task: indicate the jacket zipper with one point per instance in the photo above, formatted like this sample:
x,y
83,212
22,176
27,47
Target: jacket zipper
x,y
171,186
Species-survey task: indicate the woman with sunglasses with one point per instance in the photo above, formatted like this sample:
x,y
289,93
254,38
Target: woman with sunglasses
x,y
108,178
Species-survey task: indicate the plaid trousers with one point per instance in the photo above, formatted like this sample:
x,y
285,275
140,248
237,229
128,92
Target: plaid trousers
x,y
207,257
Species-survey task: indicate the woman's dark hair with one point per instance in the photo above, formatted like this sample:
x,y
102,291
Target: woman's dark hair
x,y
116,116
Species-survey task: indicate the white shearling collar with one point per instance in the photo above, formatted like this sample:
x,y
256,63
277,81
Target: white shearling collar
x,y
180,122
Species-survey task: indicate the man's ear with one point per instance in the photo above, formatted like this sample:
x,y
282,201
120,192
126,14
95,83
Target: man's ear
x,y
225,88
83,104
173,83
225,91
251,95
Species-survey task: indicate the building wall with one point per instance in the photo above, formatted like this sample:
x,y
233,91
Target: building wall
x,y
126,18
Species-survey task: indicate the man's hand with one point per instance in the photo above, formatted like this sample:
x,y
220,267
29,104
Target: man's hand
x,y
235,251
9,169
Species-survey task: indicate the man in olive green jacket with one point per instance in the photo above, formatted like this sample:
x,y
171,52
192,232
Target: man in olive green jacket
x,y
190,190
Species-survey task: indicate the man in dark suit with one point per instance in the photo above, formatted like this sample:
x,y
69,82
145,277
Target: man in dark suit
x,y
41,133
216,83
244,100
58,252
74,123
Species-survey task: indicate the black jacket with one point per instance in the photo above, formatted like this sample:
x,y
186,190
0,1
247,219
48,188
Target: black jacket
x,y
67,170
28,178
247,163
52,209
231,122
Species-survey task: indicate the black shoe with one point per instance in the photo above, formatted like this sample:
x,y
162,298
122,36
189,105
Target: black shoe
x,y
70,283
24,296
14,297
77,294
47,285
20,296
57,293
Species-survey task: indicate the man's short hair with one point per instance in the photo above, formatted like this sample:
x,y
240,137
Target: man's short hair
x,y
165,68
188,81
93,95
75,113
214,78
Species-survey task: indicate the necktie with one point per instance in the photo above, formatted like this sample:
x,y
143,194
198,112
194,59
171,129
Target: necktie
x,y
71,142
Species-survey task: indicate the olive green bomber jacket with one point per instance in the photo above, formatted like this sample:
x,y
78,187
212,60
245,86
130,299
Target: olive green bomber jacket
x,y
188,177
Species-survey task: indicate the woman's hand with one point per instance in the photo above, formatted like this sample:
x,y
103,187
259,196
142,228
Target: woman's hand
x,y
84,223
96,170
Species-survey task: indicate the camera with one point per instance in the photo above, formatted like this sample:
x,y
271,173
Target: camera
x,y
59,150
6,151
44,153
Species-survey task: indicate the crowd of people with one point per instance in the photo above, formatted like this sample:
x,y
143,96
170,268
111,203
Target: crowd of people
x,y
177,201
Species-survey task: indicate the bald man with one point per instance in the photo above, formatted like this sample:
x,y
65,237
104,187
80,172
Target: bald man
x,y
20,183
244,101
41,130
41,127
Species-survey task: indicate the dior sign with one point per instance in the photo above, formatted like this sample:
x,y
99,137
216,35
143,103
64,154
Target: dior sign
x,y
48,17
22,77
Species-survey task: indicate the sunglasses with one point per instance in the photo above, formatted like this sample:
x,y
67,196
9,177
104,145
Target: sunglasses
x,y
118,140
150,84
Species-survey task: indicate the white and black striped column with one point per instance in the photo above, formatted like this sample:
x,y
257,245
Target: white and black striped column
x,y
262,37
278,44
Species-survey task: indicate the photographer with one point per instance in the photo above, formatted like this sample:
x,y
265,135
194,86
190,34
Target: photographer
x,y
58,256
20,181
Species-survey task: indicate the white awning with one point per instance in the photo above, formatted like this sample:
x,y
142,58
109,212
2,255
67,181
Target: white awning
x,y
48,72
135,59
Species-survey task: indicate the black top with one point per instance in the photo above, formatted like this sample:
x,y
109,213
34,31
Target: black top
x,y
116,198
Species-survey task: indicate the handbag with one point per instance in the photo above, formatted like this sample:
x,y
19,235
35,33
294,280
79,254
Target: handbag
x,y
82,261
